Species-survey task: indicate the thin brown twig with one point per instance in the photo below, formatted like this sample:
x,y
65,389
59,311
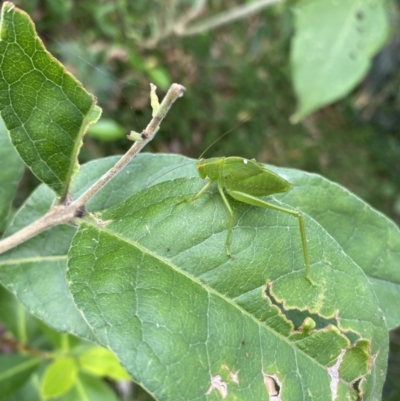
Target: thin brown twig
x,y
14,345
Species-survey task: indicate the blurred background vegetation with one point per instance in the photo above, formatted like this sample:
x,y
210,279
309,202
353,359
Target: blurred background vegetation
x,y
238,70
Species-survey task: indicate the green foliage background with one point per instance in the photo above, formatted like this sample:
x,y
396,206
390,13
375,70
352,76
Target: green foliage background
x,y
230,73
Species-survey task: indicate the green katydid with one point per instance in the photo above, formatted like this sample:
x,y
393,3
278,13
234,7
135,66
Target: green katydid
x,y
245,180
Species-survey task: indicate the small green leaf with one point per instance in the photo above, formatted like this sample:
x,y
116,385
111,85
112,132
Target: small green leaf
x,y
15,370
155,104
333,48
102,362
45,109
58,378
88,388
135,136
160,77
106,130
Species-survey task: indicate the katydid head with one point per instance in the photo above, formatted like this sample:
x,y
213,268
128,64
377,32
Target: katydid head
x,y
200,168
209,167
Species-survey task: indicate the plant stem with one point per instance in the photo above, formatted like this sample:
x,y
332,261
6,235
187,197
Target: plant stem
x,y
173,23
225,17
63,214
22,348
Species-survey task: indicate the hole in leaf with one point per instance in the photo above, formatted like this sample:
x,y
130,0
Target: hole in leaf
x,y
272,385
296,316
356,386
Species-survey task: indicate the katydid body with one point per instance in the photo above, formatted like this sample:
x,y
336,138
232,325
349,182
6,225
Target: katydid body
x,y
245,180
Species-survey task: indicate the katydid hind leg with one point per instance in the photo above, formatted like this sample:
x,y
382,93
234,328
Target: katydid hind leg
x,y
253,200
230,227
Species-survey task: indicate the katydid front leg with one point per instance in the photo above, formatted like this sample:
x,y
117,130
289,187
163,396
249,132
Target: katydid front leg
x,y
253,200
202,190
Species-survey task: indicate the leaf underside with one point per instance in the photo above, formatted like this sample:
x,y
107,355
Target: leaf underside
x,y
332,49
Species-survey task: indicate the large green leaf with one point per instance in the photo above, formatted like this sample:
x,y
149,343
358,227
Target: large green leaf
x,y
155,284
333,47
311,193
11,175
45,109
